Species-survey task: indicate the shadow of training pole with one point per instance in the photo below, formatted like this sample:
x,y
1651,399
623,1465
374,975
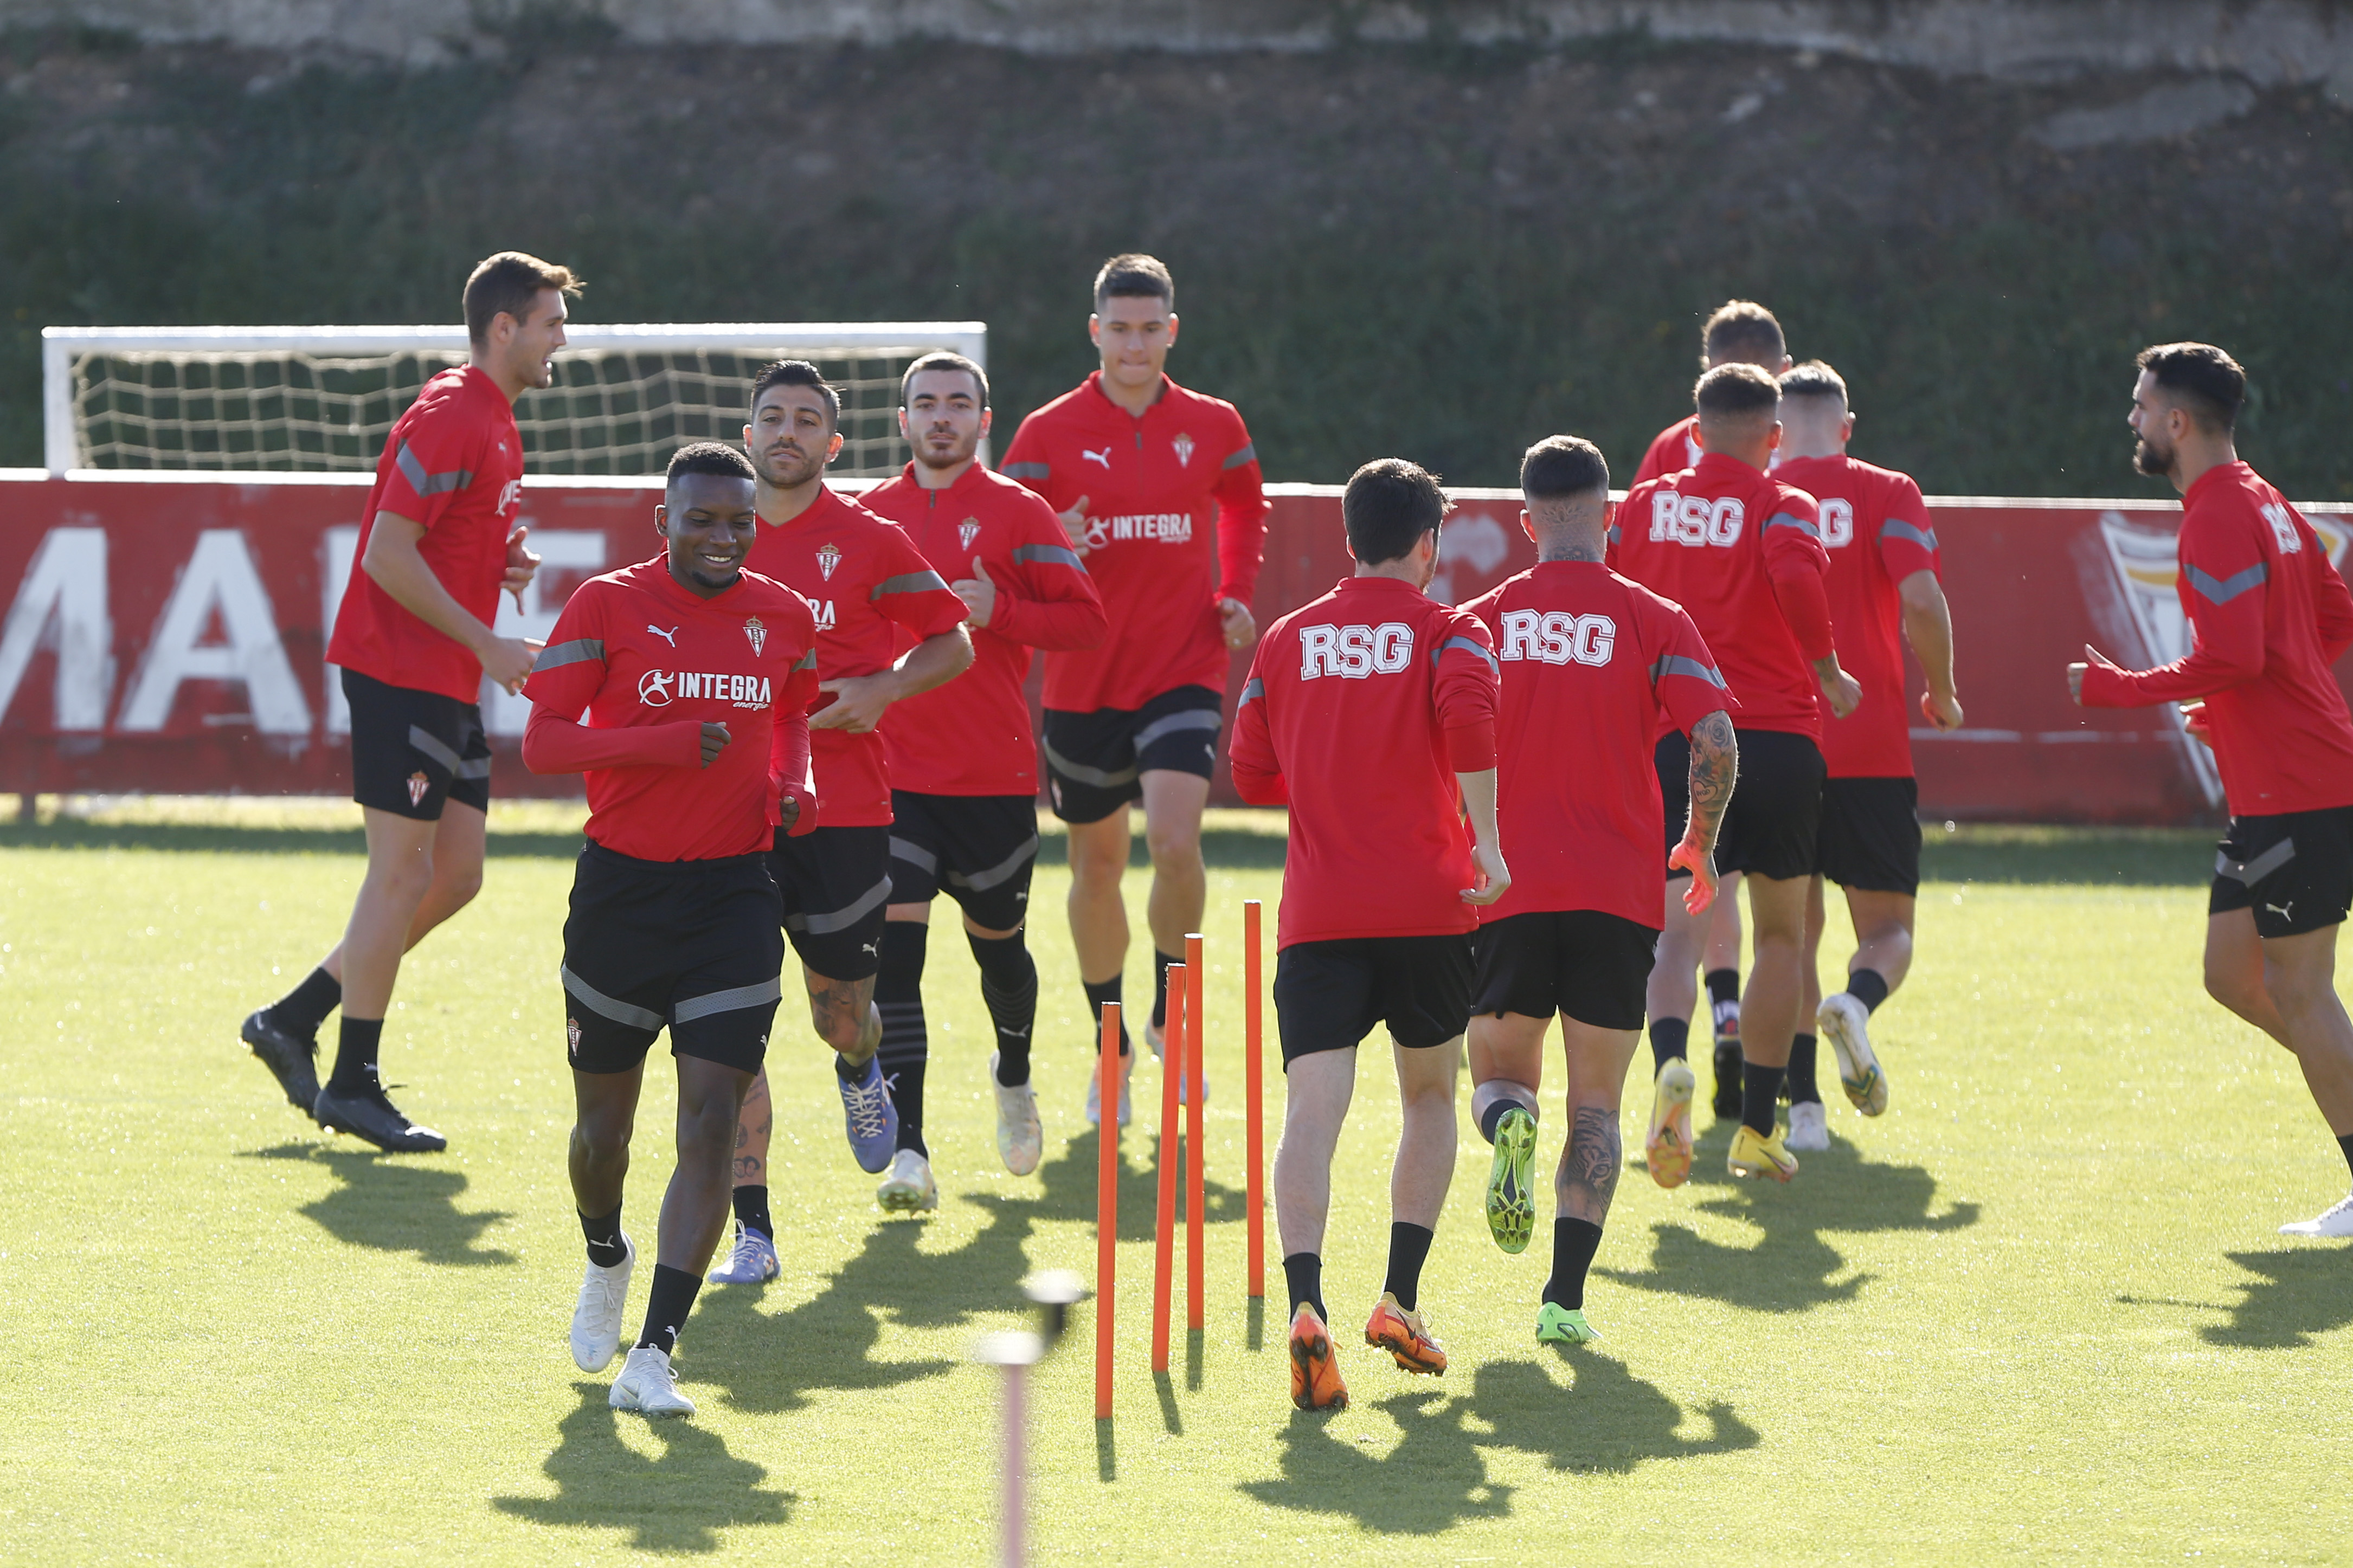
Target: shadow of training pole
x,y
1164,1227
1196,1314
1254,1092
1107,1208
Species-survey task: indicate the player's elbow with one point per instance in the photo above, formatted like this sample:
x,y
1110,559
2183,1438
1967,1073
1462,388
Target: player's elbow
x,y
1257,787
1922,595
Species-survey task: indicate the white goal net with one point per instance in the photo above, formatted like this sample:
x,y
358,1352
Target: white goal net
x,y
321,399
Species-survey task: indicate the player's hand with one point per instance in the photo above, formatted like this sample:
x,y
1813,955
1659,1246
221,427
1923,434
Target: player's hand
x,y
1842,691
522,562
1240,628
857,705
2076,671
1490,876
979,593
1943,712
2195,722
788,810
508,660
1699,859
1074,523
714,741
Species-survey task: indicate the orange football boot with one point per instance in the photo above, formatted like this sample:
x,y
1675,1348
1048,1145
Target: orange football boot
x,y
1314,1376
1404,1336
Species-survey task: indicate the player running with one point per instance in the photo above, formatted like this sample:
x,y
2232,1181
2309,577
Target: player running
x,y
962,759
1742,553
2269,616
438,538
865,582
1143,474
1883,580
1371,713
680,687
1593,666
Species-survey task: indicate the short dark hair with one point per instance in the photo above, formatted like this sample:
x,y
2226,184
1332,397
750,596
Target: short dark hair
x,y
1389,504
797,373
942,359
1736,389
1743,327
709,458
507,283
1136,276
1813,379
2205,383
1559,467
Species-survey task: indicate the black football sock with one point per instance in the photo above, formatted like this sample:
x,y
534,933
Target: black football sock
x,y
355,1051
1800,1079
2346,1143
1670,1040
1574,1242
666,1309
1723,996
1304,1272
1009,984
847,1074
1760,1087
752,1209
1408,1250
1097,994
1866,987
1160,963
906,1044
605,1249
302,1010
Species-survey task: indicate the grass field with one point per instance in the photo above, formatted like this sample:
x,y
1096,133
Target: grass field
x,y
2037,1313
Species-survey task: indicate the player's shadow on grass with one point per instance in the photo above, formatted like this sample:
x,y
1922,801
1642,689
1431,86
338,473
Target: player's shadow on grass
x,y
1792,1269
1605,1422
2299,1292
675,1503
389,1205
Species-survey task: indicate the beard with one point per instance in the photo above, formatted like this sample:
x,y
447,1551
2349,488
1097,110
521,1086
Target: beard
x,y
786,469
962,453
2155,461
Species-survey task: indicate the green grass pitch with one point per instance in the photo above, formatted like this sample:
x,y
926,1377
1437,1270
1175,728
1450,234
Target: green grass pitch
x,y
2037,1313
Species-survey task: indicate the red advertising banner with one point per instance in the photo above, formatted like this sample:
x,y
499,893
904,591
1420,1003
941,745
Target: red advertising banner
x,y
164,633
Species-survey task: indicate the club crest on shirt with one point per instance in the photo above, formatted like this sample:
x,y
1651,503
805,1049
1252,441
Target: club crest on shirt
x,y
967,531
418,784
827,558
1183,446
755,633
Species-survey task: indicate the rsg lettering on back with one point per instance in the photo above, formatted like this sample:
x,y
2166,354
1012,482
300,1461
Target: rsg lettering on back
x,y
1556,637
1695,519
1353,653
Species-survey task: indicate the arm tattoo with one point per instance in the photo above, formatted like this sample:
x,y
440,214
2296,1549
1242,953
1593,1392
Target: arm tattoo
x,y
1593,1159
1714,768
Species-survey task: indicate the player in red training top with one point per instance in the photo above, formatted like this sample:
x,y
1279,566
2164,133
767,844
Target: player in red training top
x,y
1740,332
865,582
680,687
1142,473
963,761
438,540
1592,667
1741,553
1882,584
2270,616
1371,713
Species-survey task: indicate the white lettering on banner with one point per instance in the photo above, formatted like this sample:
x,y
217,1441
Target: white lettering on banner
x,y
1695,519
1355,652
1838,522
1556,637
2282,529
219,578
61,607
565,555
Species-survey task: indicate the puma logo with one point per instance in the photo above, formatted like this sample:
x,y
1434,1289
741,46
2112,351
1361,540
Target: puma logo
x,y
2285,911
670,636
1103,456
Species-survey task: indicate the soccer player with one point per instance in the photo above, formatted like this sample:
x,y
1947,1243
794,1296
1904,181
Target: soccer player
x,y
962,759
2270,616
1144,473
1883,580
1742,553
1371,713
865,582
680,687
1592,666
438,542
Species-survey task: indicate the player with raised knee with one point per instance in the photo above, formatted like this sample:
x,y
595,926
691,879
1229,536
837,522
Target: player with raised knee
x,y
1158,491
1882,585
439,540
963,759
1371,713
680,687
866,582
1592,667
2269,617
1742,553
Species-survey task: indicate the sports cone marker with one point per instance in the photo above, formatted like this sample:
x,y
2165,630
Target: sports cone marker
x,y
1106,1209
1195,1315
1254,1094
1164,1230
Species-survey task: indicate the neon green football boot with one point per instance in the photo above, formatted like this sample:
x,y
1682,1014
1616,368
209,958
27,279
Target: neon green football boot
x,y
1511,1206
1559,1325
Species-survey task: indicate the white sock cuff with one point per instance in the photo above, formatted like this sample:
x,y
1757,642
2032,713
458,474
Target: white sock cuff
x,y
1484,1097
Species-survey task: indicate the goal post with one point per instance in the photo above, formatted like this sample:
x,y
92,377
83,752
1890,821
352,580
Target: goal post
x,y
217,401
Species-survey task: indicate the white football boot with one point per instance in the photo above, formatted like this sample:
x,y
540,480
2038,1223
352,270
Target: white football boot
x,y
909,1188
597,1320
2335,1220
1020,1139
1809,1126
648,1385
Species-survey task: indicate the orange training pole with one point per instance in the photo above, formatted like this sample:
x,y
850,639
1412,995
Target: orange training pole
x,y
1164,1230
1107,1210
1195,1315
1255,1091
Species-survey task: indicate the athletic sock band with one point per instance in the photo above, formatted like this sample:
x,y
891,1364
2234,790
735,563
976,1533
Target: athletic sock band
x,y
1009,986
1303,1272
1867,986
1760,1088
1670,1039
1097,994
1492,1099
906,1042
1160,963
1574,1243
603,1234
302,1010
2346,1143
666,1308
1408,1250
751,1204
355,1057
1800,1079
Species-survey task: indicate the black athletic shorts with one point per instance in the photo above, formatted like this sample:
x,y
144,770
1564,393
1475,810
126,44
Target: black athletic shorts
x,y
979,849
1769,827
1329,995
1094,762
2295,869
413,750
836,883
1593,966
1870,837
690,945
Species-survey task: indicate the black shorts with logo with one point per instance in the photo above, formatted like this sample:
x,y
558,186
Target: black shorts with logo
x,y
413,750
836,883
2294,870
693,946
1329,995
1870,837
1094,762
1591,965
979,849
1775,811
